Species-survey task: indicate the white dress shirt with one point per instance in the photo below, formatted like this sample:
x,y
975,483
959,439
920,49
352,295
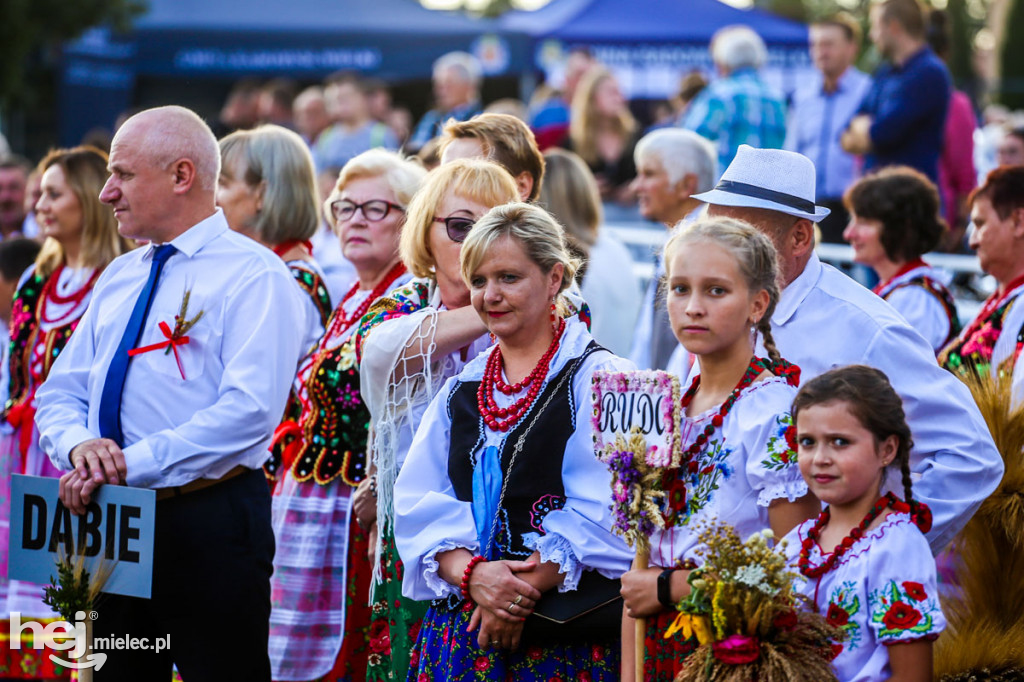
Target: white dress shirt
x,y
826,320
239,361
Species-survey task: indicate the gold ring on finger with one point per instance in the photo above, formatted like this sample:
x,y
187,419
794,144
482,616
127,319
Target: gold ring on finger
x,y
511,605
519,598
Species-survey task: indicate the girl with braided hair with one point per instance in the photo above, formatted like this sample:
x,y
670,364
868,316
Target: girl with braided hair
x,y
878,584
738,440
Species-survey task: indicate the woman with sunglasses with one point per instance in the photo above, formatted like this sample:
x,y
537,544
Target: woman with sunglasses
x,y
267,190
408,344
320,617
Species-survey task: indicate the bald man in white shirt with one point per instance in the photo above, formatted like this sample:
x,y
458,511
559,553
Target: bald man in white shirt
x,y
825,319
193,424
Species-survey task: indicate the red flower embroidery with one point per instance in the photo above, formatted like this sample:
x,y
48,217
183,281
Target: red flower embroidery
x,y
836,650
915,591
836,616
597,653
482,664
414,659
901,616
790,440
423,678
584,677
535,653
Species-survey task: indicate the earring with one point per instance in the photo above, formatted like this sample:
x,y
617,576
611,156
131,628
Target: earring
x,y
553,315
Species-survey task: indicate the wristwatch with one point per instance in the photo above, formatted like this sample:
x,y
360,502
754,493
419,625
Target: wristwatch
x,y
665,588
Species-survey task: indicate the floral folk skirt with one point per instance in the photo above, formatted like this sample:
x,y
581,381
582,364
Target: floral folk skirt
x,y
664,658
394,620
445,651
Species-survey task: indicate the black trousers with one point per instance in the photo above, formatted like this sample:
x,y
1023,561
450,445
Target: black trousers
x,y
213,559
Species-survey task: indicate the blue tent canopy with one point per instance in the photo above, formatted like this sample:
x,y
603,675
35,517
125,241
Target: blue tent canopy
x,y
648,21
229,39
651,42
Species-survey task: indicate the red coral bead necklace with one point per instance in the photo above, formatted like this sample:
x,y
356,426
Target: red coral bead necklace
x,y
753,370
504,418
887,501
340,321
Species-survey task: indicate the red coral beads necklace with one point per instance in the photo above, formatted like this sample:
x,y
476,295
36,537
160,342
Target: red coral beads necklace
x,y
504,418
887,501
340,321
753,370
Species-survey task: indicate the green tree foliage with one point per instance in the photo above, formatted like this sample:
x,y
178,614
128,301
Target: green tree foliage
x,y
30,29
1012,57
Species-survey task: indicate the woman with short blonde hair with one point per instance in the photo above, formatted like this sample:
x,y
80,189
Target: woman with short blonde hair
x,y
319,623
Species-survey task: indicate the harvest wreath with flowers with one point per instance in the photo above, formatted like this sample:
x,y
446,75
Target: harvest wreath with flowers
x,y
748,618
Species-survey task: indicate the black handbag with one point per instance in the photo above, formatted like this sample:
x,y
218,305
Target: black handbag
x,y
592,613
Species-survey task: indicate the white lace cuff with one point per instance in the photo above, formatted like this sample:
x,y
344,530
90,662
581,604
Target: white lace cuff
x,y
791,490
435,583
556,549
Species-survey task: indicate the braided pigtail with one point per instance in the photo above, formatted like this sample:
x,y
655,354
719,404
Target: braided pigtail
x,y
765,329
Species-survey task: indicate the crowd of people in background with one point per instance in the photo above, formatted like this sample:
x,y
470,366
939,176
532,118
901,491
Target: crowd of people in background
x,y
388,330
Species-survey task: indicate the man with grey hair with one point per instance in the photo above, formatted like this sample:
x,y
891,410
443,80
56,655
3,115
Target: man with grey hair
x,y
193,425
739,107
671,166
824,320
457,78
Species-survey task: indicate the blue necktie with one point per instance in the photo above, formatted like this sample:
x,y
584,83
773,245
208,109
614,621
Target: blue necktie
x,y
110,399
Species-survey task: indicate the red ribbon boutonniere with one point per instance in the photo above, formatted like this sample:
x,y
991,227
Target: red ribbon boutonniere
x,y
177,336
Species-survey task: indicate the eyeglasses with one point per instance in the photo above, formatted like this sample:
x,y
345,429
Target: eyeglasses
x,y
457,226
373,210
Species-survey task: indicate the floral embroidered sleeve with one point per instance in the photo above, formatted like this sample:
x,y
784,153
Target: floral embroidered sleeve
x,y
402,301
903,601
770,440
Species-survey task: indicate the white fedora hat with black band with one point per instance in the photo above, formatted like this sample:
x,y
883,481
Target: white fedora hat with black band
x,y
772,179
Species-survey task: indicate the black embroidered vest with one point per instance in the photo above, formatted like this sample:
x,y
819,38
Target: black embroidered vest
x,y
535,485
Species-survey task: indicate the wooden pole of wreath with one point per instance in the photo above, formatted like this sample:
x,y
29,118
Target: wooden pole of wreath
x,y
643,557
636,421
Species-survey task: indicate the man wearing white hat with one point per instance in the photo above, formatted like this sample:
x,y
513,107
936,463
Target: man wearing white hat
x,y
825,319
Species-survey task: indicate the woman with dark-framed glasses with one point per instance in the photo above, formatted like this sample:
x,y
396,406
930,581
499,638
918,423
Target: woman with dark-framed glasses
x,y
319,625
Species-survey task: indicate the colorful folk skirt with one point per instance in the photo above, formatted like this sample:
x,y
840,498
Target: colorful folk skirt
x,y
445,651
394,620
664,658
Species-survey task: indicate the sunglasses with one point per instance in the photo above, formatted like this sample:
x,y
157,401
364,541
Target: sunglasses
x,y
457,227
373,210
